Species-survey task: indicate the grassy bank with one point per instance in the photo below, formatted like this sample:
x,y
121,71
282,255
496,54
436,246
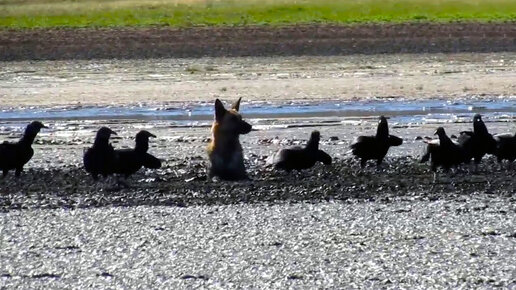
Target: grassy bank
x,y
184,13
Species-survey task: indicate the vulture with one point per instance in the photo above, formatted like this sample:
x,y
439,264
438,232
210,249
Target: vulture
x,y
128,161
375,147
100,158
299,158
16,155
443,152
478,143
505,147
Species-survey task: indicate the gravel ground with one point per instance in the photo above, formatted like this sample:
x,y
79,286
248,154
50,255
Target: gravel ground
x,y
465,242
327,227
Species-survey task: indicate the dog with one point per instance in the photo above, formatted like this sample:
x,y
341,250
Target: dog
x,y
225,151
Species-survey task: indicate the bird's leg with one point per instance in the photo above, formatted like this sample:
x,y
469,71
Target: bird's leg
x,y
449,173
379,164
473,167
435,177
500,164
363,163
210,175
4,174
106,182
18,172
122,183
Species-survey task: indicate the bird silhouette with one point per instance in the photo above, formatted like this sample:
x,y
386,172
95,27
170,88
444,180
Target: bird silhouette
x,y
443,152
299,158
505,148
129,161
16,155
477,143
375,147
100,158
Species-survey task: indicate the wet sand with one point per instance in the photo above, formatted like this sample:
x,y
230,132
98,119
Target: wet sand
x,y
166,81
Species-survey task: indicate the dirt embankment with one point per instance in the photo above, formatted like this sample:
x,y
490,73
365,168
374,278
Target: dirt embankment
x,y
159,42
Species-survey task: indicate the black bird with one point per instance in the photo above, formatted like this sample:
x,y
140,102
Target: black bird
x,y
478,143
443,152
16,155
375,147
128,161
505,147
100,158
301,158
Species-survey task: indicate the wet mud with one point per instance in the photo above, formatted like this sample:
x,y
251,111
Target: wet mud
x,y
55,177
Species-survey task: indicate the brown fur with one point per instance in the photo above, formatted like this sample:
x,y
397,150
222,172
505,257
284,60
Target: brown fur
x,y
225,152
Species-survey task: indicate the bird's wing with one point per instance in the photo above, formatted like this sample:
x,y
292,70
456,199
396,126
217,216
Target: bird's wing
x,y
465,137
6,151
323,157
151,162
360,140
395,141
503,136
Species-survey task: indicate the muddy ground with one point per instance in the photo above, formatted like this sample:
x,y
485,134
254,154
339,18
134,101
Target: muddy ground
x,y
159,42
56,179
336,226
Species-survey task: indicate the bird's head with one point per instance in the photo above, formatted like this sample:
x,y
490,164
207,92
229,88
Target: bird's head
x,y
144,135
34,128
383,128
105,133
478,125
313,142
315,136
440,132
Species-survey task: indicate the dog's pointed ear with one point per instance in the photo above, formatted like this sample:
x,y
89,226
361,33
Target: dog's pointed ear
x,y
236,106
220,111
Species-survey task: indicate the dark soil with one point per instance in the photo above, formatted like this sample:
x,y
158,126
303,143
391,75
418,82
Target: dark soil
x,y
162,42
183,183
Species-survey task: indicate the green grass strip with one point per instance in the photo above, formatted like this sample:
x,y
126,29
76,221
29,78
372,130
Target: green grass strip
x,y
20,14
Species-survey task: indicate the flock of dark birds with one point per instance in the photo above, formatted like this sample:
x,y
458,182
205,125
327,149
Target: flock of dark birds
x,y
104,160
470,145
101,159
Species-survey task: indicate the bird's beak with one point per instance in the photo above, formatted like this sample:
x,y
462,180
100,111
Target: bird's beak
x,y
114,133
435,133
153,136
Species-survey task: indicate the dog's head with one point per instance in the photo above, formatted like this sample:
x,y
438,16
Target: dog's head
x,y
230,121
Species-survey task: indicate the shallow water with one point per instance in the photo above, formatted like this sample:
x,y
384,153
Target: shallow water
x,y
201,113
